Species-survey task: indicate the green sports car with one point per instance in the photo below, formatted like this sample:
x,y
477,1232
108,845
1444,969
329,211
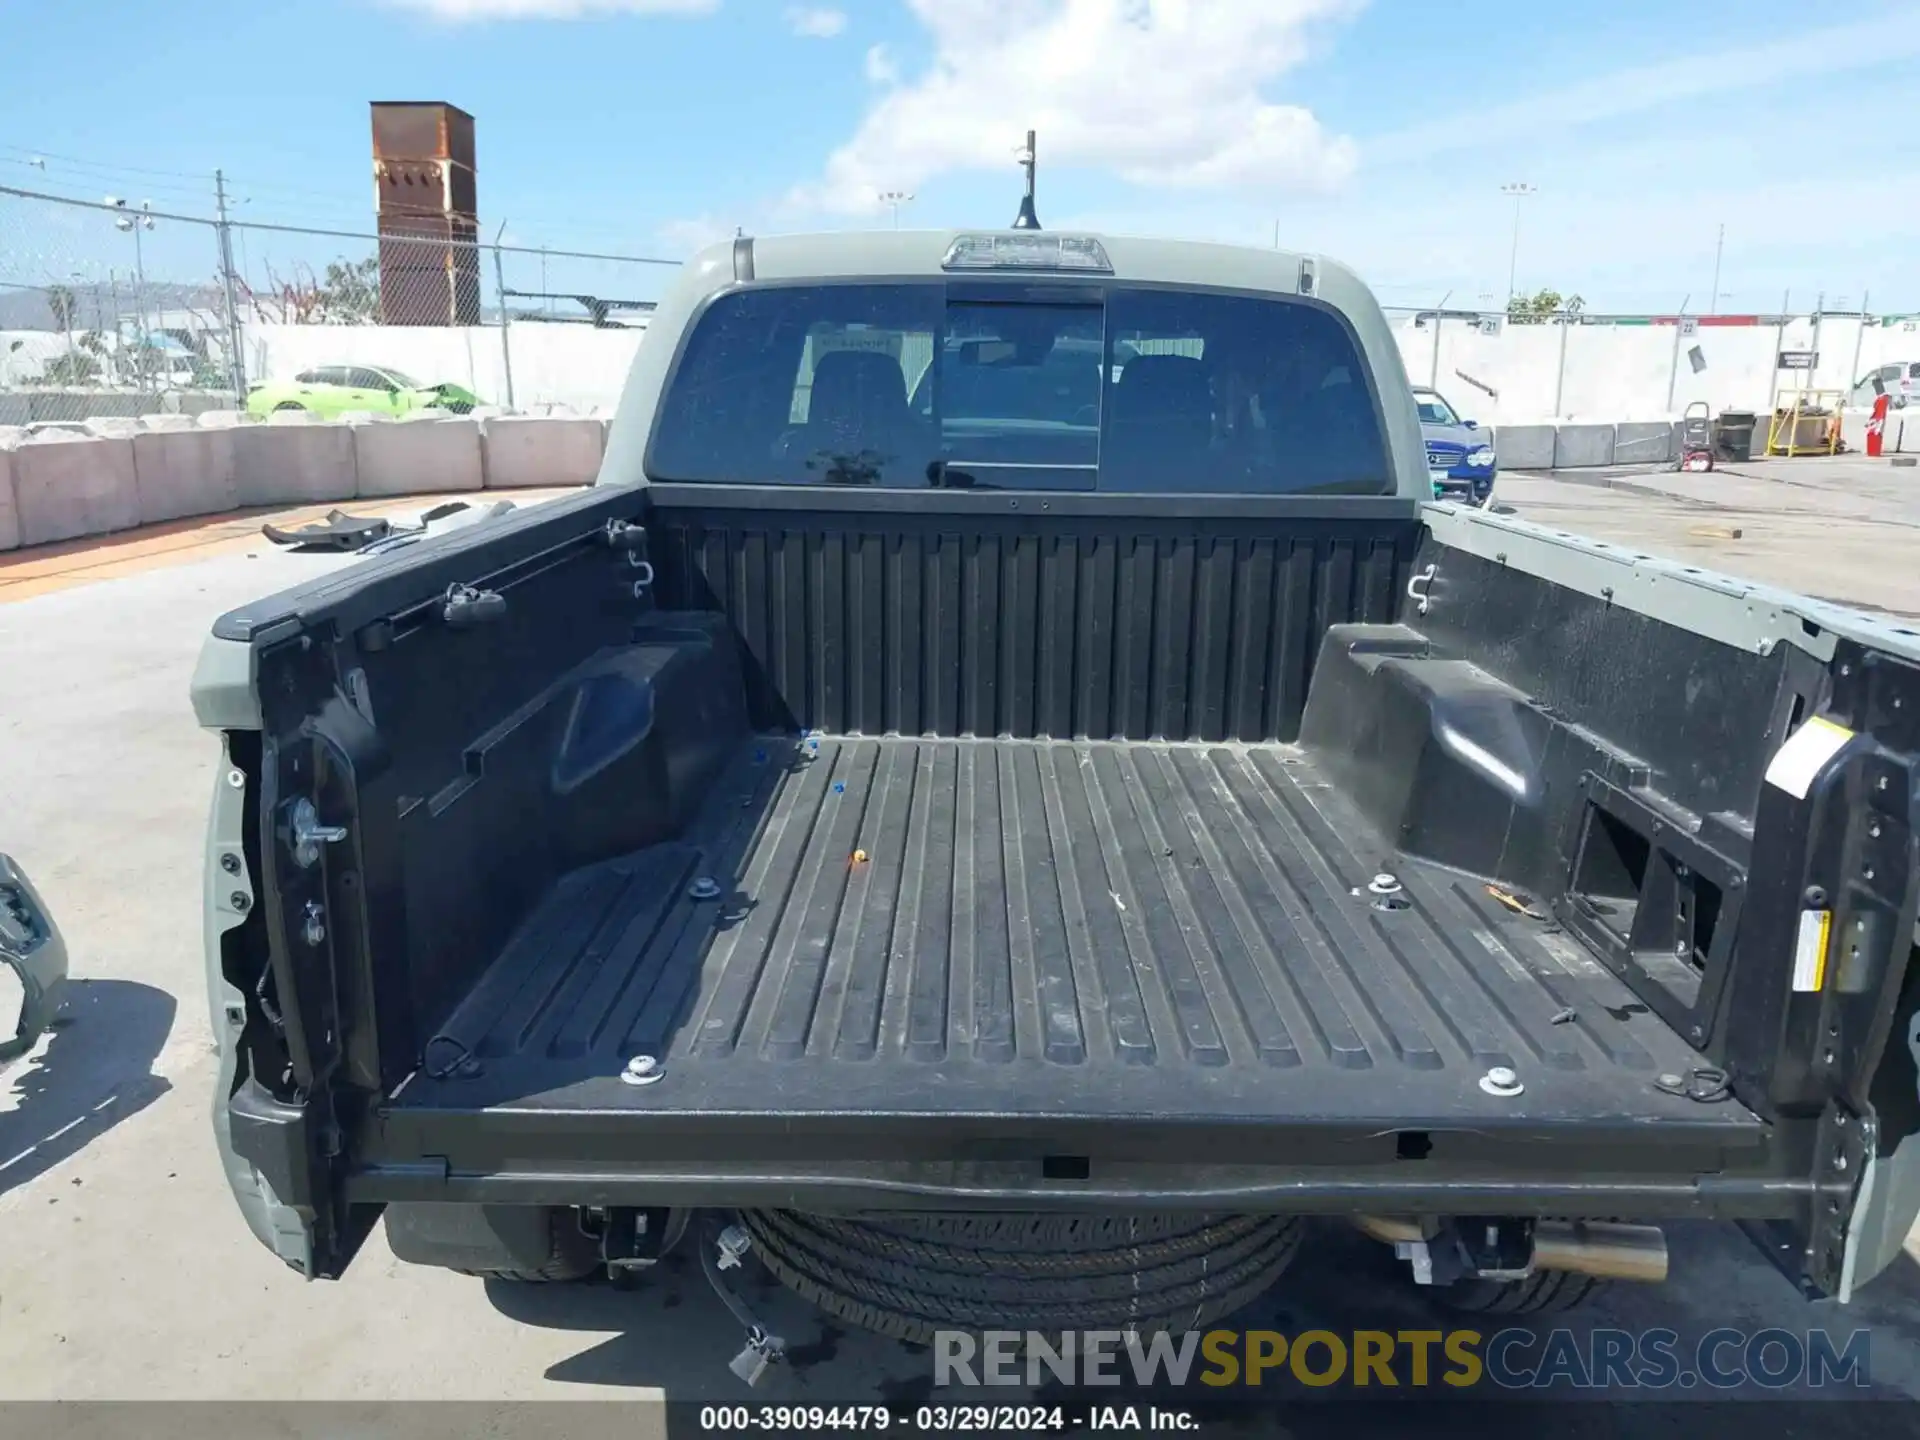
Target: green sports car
x,y
334,390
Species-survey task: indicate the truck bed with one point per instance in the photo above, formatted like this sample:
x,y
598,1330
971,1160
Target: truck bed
x,y
1044,930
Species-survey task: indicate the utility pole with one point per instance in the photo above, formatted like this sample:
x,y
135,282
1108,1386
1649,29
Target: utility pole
x,y
1859,337
1673,365
1813,370
236,360
1519,190
1719,245
1027,219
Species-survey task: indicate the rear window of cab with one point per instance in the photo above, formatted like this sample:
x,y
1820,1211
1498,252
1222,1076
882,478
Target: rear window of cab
x,y
930,384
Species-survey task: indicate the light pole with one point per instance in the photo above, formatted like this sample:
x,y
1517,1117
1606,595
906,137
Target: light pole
x,y
895,199
1719,246
1519,190
135,223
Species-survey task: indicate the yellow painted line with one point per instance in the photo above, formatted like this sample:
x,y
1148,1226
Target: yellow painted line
x,y
45,569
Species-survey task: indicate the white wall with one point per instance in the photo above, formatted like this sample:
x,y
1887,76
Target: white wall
x,y
1624,372
1611,372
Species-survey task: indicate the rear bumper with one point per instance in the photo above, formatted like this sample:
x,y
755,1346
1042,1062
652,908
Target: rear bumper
x,y
1519,1184
31,947
1720,1163
1473,484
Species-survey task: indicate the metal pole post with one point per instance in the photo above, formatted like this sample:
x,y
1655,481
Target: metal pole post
x,y
1719,245
1513,257
1859,337
1813,371
236,359
500,289
140,309
1673,365
1780,336
108,367
1433,375
1773,392
1560,374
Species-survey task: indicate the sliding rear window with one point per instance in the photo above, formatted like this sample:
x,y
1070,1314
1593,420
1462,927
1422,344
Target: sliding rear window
x,y
910,385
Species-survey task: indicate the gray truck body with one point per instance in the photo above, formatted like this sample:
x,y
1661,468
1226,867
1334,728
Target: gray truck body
x,y
1008,849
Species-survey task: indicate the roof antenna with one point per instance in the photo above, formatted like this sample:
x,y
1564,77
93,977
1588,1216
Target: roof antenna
x,y
1027,220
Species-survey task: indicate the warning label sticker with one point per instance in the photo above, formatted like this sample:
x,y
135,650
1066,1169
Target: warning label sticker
x,y
1810,950
1805,755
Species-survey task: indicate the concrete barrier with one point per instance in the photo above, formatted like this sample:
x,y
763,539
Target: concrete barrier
x,y
525,451
9,512
1643,442
180,469
1524,447
114,427
417,457
112,473
292,460
66,485
1853,430
1577,446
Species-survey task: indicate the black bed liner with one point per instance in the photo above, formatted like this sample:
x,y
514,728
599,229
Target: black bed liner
x,y
1039,931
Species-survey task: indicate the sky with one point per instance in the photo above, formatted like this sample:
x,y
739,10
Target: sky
x,y
1380,132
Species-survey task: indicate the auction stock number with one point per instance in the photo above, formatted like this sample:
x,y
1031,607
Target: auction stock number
x,y
960,1419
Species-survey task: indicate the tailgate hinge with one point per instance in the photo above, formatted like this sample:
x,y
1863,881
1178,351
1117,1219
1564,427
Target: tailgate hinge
x,y
631,540
625,535
466,606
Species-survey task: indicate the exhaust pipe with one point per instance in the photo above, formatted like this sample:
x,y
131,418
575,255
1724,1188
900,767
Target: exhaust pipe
x,y
1602,1248
1605,1248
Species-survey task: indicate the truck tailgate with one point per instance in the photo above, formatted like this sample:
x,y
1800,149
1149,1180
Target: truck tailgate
x,y
1044,932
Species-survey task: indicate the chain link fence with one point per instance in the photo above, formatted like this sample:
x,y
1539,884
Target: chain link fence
x,y
1612,368
120,309
114,308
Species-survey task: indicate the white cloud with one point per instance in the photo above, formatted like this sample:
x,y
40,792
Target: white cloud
x,y
686,235
458,11
1856,45
816,22
881,69
1169,93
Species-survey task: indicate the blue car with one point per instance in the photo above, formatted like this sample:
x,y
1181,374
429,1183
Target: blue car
x,y
1460,454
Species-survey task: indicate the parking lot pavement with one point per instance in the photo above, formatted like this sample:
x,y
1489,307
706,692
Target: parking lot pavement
x,y
125,1269
1841,528
47,568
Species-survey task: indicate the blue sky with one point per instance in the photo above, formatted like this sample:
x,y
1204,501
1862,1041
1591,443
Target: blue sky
x,y
1378,132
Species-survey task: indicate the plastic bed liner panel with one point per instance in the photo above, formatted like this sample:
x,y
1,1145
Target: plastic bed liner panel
x,y
1022,934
